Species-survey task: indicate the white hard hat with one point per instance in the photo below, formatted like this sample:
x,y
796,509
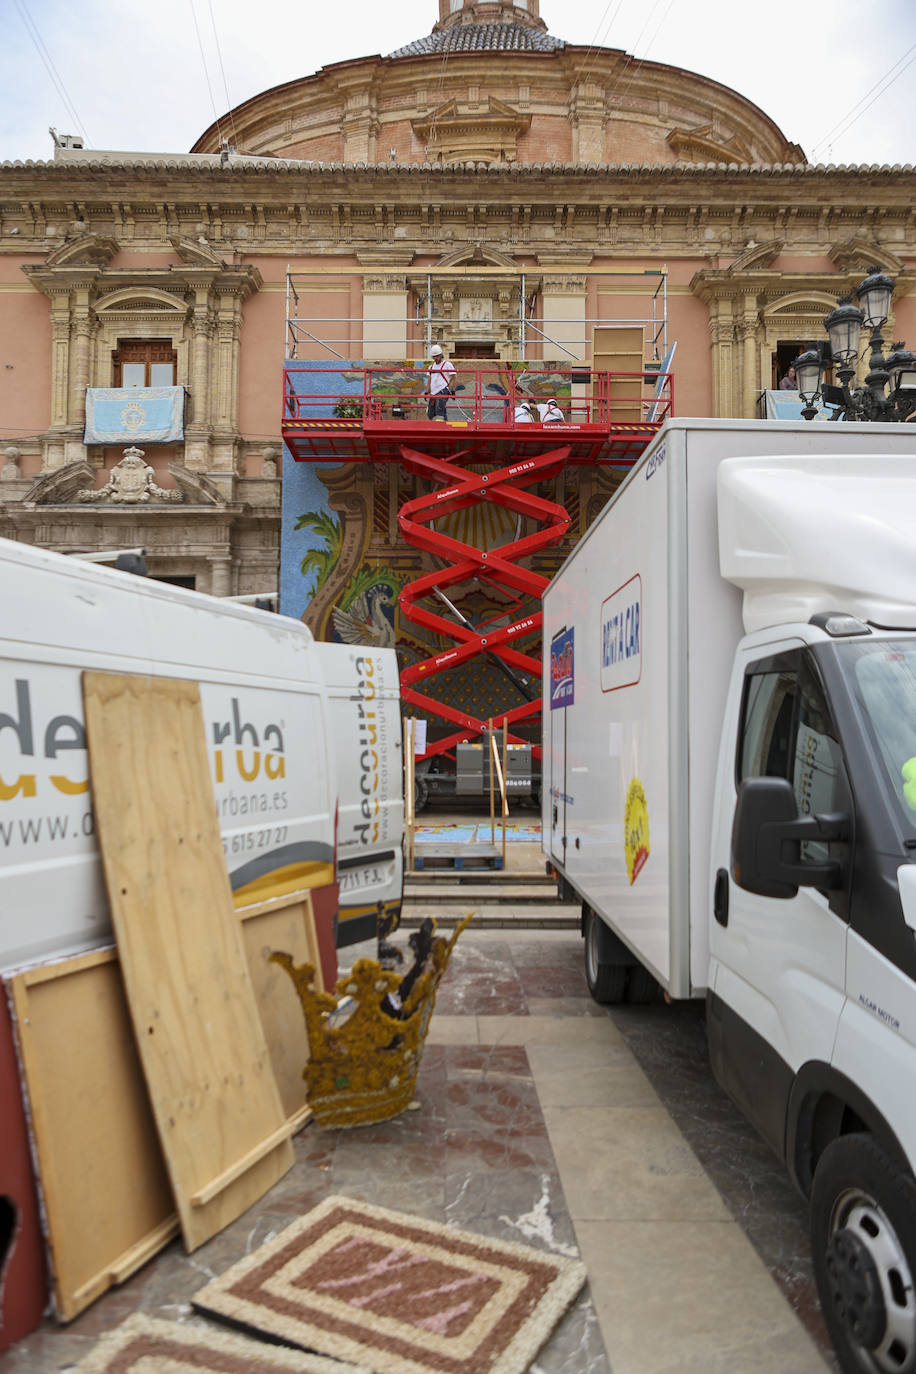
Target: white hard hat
x,y
435,351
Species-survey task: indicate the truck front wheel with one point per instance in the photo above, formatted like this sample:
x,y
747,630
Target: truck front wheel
x,y
606,982
863,1238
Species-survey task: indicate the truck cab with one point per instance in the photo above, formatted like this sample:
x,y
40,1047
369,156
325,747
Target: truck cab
x,y
811,1002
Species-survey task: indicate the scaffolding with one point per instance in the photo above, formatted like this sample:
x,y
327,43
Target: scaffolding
x,y
360,394
503,312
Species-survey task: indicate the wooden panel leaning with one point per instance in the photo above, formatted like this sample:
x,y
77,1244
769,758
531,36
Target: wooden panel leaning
x,y
221,1124
620,349
286,923
107,1202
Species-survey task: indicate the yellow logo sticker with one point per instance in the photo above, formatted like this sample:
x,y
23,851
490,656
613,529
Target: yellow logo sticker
x,y
636,830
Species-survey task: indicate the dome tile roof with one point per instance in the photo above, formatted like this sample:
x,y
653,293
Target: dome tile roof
x,y
481,38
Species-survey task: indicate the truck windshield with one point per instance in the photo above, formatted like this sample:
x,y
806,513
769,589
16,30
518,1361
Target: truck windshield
x,y
885,676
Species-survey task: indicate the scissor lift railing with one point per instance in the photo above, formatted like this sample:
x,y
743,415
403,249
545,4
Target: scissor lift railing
x,y
378,414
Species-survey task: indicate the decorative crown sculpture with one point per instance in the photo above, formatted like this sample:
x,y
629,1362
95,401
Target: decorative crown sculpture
x,y
366,1043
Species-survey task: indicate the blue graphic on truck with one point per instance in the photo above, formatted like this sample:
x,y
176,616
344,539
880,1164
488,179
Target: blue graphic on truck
x,y
562,670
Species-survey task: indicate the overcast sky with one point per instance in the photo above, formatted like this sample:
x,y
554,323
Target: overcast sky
x,y
152,76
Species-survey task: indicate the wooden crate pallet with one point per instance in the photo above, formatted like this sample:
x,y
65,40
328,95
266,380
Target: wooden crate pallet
x,y
457,856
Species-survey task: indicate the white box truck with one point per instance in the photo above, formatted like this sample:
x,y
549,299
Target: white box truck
x,y
286,762
730,790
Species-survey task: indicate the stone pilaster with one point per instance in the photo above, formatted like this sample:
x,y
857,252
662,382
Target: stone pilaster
x,y
722,336
221,576
564,314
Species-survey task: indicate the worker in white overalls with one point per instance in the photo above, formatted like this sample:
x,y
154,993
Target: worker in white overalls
x,y
440,376
550,412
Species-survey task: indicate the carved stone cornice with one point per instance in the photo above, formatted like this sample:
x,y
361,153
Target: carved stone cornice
x,y
168,285
559,259
387,255
384,282
567,284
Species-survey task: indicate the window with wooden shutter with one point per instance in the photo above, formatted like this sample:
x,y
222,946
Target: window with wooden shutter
x,y
144,362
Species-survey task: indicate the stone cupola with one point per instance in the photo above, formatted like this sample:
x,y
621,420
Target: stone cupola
x,y
525,12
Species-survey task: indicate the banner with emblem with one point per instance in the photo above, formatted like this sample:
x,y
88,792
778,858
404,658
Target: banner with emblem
x,y
154,414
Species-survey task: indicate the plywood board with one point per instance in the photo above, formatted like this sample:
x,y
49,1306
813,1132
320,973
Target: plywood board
x,y
107,1201
282,924
620,348
23,1285
221,1124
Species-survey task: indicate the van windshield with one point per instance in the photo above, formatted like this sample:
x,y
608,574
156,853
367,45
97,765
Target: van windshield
x,y
885,674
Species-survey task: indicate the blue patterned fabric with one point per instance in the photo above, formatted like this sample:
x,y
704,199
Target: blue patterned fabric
x,y
116,415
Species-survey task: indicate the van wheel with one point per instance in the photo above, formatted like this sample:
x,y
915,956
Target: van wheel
x,y
606,982
863,1238
641,986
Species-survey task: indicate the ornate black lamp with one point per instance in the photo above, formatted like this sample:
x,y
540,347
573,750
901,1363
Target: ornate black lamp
x,y
809,376
889,391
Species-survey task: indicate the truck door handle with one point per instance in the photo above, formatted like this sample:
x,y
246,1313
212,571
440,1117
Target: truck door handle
x,y
720,897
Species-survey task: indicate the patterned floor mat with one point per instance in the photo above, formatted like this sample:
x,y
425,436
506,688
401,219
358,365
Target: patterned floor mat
x,y
398,1292
143,1344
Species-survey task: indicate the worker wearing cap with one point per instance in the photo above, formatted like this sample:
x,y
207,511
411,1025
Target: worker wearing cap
x,y
550,413
440,378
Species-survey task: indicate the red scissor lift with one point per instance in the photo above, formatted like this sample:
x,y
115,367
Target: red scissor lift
x,y
386,425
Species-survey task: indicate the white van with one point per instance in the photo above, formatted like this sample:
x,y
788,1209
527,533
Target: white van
x,y
364,710
269,735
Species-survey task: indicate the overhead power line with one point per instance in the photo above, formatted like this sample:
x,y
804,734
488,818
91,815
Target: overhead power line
x,y
219,55
203,62
881,86
48,63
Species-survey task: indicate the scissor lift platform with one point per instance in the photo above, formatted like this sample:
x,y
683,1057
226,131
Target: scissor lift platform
x,y
489,452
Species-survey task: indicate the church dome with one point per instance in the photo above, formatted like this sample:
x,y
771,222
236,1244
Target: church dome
x,y
510,94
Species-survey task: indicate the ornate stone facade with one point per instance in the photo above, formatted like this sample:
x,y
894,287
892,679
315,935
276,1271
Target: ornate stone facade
x,y
522,170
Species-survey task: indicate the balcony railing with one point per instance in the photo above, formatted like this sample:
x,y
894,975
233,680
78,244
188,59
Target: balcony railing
x,y
503,395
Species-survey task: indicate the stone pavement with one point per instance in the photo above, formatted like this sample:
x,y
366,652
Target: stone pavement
x,y
545,1118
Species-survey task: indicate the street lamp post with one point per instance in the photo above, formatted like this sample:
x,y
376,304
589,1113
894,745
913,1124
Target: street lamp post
x,y
889,390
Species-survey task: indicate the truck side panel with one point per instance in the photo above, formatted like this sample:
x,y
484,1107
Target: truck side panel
x,y
608,793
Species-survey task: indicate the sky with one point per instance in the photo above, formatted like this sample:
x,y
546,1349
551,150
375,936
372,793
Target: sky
x,y
127,75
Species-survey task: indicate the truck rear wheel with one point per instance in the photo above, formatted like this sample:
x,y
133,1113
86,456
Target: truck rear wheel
x,y
606,982
863,1238
641,986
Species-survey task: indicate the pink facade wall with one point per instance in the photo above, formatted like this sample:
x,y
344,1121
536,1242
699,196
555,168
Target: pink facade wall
x,y
25,361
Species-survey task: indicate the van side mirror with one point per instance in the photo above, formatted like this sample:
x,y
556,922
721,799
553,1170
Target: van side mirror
x,y
767,835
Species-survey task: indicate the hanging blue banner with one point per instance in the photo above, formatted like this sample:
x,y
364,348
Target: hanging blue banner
x,y
115,415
